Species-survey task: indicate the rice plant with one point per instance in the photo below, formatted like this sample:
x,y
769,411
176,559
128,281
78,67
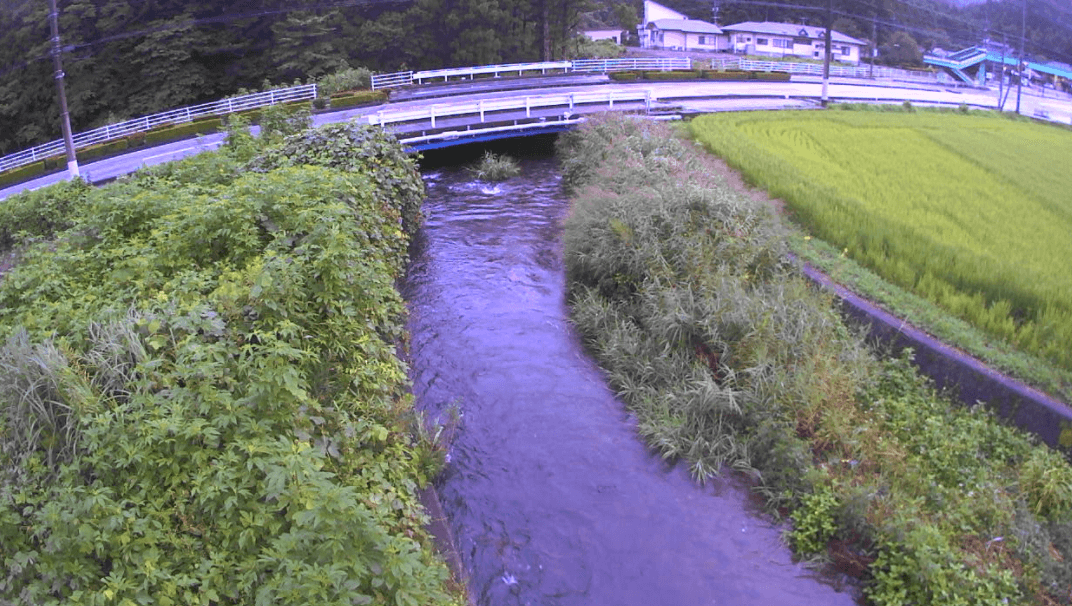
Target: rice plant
x,y
964,210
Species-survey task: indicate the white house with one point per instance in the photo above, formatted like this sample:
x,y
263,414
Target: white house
x,y
789,40
685,34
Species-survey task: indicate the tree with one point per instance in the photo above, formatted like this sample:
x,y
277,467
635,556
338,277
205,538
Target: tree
x,y
901,49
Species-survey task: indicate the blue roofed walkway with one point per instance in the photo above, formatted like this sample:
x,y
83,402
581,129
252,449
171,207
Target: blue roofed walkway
x,y
963,63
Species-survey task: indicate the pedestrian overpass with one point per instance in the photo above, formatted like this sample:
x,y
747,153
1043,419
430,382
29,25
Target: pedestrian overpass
x,y
972,64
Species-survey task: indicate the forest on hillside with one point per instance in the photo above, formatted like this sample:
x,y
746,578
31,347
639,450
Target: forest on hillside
x,y
125,58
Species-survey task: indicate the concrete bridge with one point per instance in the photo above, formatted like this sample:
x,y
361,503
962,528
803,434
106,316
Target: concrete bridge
x,y
442,115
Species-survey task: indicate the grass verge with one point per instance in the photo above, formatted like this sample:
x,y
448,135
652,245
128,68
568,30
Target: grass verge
x,y
680,288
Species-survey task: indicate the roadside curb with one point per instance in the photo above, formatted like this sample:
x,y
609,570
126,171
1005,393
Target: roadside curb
x,y
968,378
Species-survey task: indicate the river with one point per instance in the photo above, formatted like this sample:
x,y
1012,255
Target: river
x,y
551,497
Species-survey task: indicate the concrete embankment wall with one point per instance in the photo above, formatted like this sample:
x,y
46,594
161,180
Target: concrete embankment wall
x,y
971,380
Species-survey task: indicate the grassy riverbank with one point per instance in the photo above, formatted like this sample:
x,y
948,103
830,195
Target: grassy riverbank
x,y
729,358
200,401
962,211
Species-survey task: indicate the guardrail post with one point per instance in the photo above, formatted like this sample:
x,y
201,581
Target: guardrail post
x,y
271,97
647,101
33,154
146,122
528,108
230,106
571,101
187,114
431,114
481,103
610,99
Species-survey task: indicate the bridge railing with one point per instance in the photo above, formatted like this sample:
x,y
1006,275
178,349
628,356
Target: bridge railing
x,y
175,116
528,103
815,69
637,63
580,65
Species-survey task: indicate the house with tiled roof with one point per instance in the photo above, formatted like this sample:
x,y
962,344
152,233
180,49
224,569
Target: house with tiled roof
x,y
686,34
664,27
790,40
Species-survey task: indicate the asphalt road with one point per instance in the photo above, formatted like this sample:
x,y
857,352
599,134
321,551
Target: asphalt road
x,y
688,97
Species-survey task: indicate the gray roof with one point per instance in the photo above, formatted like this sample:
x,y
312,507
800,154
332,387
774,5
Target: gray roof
x,y
694,26
791,29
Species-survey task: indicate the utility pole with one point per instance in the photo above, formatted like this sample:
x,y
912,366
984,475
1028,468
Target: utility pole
x,y
65,116
874,44
826,55
1001,75
1023,32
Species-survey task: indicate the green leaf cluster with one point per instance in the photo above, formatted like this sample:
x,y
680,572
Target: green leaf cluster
x,y
201,401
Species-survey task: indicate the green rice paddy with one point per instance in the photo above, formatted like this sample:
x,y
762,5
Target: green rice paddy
x,y
971,211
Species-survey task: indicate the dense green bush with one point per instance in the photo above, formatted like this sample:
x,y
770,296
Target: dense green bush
x,y
682,290
672,75
103,150
370,97
199,397
350,146
280,121
182,131
349,79
623,76
40,214
22,173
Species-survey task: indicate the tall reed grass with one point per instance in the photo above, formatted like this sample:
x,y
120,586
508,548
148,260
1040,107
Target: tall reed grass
x,y
682,291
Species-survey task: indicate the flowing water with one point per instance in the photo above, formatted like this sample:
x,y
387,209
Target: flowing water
x,y
551,497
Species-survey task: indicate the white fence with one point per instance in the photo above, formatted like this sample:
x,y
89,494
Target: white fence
x,y
175,116
815,69
567,101
581,65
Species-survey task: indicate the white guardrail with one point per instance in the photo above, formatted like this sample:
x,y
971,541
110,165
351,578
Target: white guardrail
x,y
176,116
815,69
527,103
581,65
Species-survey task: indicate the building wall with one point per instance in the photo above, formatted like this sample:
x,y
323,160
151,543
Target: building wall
x,y
654,11
782,46
688,40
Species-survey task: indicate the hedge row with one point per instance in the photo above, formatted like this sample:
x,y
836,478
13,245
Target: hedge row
x,y
367,97
23,173
679,75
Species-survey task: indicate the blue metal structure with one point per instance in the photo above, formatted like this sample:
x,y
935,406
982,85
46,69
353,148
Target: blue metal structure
x,y
963,63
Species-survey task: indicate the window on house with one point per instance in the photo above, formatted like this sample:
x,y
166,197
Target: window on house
x,y
846,51
779,43
703,40
762,41
801,41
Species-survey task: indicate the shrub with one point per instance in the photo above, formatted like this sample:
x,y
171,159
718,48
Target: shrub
x,y
623,76
771,76
672,75
350,146
726,75
349,79
23,173
494,167
282,120
371,97
103,150
40,214
215,408
182,131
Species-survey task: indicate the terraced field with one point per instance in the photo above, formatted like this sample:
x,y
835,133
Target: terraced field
x,y
971,211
